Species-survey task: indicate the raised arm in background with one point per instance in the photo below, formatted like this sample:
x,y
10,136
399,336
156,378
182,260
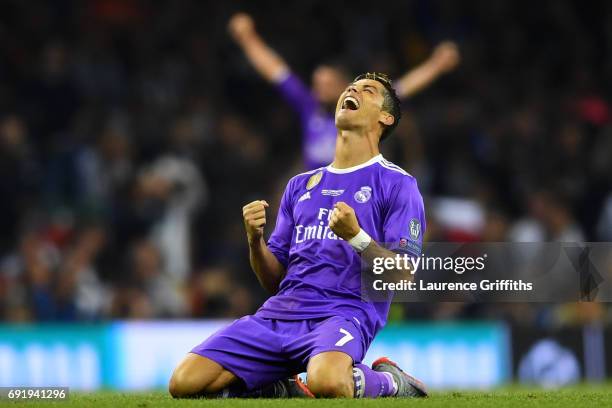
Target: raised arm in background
x,y
265,60
443,59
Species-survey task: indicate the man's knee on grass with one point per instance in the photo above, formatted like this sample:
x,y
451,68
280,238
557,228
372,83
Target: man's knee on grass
x,y
181,386
330,375
197,376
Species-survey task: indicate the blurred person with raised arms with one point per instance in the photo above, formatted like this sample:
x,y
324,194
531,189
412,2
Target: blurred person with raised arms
x,y
315,107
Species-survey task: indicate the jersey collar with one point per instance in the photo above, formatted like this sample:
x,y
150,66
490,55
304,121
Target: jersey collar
x,y
373,160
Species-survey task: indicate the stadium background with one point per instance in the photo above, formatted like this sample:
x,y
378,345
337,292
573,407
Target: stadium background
x,y
132,132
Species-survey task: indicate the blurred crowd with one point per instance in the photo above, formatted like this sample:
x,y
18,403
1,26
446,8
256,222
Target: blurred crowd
x,y
132,132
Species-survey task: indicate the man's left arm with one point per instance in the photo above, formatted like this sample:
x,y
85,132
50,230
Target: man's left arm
x,y
403,226
344,224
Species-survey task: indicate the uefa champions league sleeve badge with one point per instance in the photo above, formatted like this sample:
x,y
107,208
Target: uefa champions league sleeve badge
x,y
415,229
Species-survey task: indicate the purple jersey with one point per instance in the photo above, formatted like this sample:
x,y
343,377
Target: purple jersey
x,y
318,127
323,271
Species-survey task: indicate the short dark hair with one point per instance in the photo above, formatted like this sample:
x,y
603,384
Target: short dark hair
x,y
391,104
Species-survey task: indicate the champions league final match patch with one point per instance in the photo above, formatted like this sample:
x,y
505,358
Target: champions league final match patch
x,y
333,193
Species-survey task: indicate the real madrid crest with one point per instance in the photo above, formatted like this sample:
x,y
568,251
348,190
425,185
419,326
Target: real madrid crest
x,y
314,180
363,195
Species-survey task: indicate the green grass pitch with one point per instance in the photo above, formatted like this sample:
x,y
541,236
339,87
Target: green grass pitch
x,y
578,396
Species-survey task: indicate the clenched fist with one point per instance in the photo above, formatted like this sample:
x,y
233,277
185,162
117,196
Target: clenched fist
x,y
254,215
343,221
241,26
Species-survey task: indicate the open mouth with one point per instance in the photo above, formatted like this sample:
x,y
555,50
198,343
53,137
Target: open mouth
x,y
350,103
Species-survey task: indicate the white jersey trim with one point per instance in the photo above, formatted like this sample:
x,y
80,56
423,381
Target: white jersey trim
x,y
376,159
309,171
390,166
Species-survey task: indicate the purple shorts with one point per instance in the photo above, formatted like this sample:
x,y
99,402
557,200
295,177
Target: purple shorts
x,y
260,351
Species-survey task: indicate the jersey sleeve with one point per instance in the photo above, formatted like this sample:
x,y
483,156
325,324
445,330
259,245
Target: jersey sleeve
x,y
280,240
295,92
404,223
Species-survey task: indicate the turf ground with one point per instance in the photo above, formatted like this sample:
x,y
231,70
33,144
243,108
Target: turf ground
x,y
580,396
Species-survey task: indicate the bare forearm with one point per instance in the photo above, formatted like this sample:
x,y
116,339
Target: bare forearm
x,y
267,268
374,251
417,79
443,59
263,58
343,223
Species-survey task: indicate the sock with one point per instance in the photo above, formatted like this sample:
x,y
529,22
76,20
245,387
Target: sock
x,y
372,384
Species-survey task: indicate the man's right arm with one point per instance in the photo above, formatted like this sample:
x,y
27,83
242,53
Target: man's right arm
x,y
270,66
267,62
269,270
